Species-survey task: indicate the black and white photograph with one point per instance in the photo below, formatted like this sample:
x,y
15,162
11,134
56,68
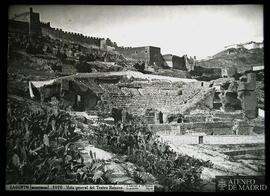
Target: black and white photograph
x,y
135,98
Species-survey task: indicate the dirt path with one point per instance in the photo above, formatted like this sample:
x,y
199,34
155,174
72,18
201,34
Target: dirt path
x,y
121,170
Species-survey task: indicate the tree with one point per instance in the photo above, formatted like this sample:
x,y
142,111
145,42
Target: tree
x,y
140,66
83,66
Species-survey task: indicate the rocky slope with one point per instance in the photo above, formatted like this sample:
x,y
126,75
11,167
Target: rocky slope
x,y
240,57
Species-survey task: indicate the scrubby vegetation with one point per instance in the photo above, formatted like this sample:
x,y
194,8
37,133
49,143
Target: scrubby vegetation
x,y
41,150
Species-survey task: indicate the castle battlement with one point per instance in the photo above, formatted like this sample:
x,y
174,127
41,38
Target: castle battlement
x,y
58,33
35,26
124,48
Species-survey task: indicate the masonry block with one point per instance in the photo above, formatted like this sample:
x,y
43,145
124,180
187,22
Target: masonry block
x,y
242,127
250,85
249,103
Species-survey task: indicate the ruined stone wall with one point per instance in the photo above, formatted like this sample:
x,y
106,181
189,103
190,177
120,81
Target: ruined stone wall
x,y
175,62
156,57
179,63
228,115
196,118
149,54
168,60
56,33
138,53
18,26
209,128
213,116
190,62
165,129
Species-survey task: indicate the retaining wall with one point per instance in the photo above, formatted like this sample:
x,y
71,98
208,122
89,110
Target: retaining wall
x,y
215,128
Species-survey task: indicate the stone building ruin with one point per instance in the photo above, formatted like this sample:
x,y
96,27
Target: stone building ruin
x,y
182,63
149,54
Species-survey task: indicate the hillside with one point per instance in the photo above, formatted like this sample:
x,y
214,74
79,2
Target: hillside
x,y
240,57
44,58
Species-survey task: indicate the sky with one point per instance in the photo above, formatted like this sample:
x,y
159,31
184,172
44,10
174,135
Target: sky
x,y
195,30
